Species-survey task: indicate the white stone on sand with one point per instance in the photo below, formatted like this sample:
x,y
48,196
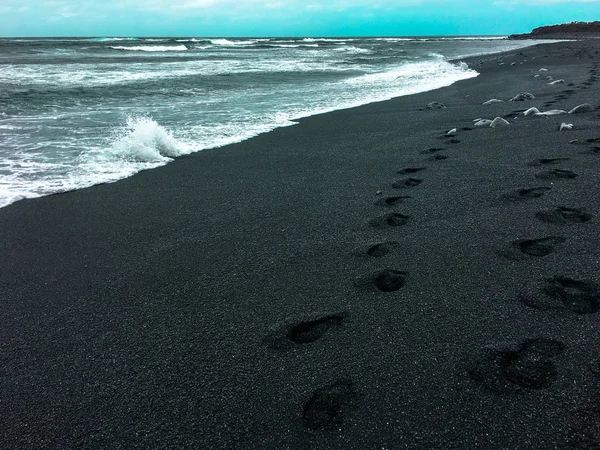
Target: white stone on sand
x,y
583,108
552,112
522,96
435,105
561,81
543,69
483,123
566,126
492,101
531,112
499,122
452,132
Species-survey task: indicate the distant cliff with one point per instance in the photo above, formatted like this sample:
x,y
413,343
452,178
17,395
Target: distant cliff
x,y
573,30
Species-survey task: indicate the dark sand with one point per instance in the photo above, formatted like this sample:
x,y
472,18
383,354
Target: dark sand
x,y
256,296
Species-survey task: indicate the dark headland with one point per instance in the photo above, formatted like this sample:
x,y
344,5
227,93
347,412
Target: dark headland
x,y
573,30
363,280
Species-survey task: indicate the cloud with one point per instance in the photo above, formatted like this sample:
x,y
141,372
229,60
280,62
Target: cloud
x,y
287,17
225,8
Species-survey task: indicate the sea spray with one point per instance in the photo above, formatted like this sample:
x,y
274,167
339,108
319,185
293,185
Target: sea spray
x,y
144,140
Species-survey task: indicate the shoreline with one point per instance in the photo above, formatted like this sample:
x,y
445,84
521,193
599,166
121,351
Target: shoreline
x,y
264,295
14,194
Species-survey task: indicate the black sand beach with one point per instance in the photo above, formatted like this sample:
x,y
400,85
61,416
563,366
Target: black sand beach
x,y
263,295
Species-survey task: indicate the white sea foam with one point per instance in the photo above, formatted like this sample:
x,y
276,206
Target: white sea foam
x,y
138,145
295,45
418,77
109,39
325,40
150,48
227,42
141,140
394,39
353,49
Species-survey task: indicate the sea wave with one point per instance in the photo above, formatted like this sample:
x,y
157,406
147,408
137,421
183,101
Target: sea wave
x,y
227,42
353,49
109,39
141,140
416,77
150,48
192,40
325,40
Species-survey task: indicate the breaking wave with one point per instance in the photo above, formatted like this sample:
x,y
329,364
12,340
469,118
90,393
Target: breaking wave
x,y
150,48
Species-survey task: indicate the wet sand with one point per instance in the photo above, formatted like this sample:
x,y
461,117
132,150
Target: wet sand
x,y
360,280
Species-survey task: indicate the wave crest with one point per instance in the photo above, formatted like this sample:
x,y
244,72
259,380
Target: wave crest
x,y
144,140
150,48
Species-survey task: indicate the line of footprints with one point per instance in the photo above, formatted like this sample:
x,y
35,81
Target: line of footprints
x,y
527,366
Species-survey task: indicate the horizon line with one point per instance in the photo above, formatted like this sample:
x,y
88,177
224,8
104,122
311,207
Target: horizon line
x,y
259,37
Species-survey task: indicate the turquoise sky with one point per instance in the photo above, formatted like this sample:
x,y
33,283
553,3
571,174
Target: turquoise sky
x,y
285,17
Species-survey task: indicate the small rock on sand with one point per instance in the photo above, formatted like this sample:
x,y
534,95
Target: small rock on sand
x,y
499,122
452,132
552,83
531,112
583,108
522,97
435,105
543,69
492,101
552,112
566,126
483,123
537,112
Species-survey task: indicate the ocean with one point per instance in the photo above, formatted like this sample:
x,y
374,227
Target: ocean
x,y
75,112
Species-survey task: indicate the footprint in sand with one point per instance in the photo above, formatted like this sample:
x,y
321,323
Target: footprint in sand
x,y
526,367
556,173
385,280
407,183
546,161
432,150
564,216
287,335
389,220
525,193
392,201
438,157
329,407
525,248
563,293
409,170
382,249
376,250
